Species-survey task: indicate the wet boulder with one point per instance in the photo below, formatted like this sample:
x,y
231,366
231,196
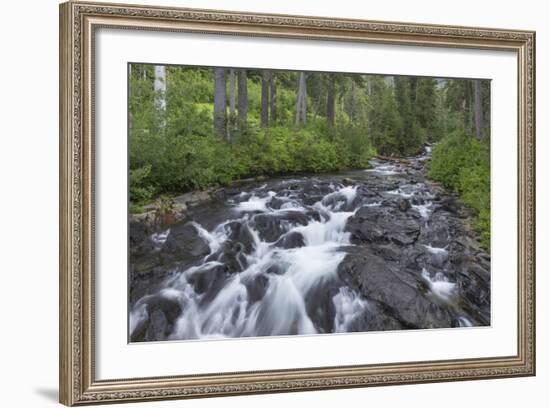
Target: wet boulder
x,y
240,232
380,224
403,204
161,312
184,243
272,226
206,279
233,256
256,286
376,317
346,181
403,295
141,244
290,240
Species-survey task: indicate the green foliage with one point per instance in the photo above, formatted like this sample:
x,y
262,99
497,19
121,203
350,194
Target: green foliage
x,y
384,121
140,189
175,149
403,114
462,163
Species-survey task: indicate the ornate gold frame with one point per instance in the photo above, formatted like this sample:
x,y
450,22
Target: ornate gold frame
x,y
78,22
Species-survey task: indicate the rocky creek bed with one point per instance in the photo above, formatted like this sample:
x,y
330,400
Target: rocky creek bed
x,y
370,250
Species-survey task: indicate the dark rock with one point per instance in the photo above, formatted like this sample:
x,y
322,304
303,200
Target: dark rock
x,y
256,287
378,224
239,232
272,226
206,279
403,204
162,312
347,181
275,269
276,203
233,257
231,191
158,327
320,306
291,240
140,242
389,251
448,204
366,231
184,242
375,318
385,282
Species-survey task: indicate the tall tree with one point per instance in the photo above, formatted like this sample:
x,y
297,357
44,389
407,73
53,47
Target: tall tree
x,y
273,100
478,109
384,119
350,101
409,141
220,96
301,100
331,91
232,92
460,99
160,87
243,96
425,107
264,115
369,79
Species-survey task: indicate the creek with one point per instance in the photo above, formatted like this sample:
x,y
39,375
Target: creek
x,y
364,250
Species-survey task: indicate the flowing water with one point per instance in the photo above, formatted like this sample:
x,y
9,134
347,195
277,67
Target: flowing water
x,y
271,264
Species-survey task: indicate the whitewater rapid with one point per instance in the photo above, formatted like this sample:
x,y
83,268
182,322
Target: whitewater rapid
x,y
270,267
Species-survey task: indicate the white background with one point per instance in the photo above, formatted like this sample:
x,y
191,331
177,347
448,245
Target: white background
x,y
28,169
117,359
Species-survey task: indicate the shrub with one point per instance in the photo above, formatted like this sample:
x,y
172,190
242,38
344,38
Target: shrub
x,y
462,163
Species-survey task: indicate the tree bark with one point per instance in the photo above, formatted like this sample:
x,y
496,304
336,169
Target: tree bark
x,y
273,100
330,99
301,101
220,95
243,96
478,110
232,92
350,102
369,85
160,87
264,115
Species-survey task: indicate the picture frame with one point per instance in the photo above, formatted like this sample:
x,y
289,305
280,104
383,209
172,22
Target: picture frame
x,y
79,24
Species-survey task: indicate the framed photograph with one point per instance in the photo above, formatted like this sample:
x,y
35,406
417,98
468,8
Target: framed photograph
x,y
256,203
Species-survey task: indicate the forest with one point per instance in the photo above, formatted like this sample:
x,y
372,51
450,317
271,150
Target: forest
x,y
196,127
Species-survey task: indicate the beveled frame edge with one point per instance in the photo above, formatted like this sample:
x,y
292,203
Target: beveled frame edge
x,y
78,20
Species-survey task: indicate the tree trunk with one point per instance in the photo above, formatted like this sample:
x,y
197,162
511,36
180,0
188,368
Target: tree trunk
x,y
470,106
273,100
369,84
220,95
232,92
243,96
301,101
350,102
478,110
330,99
160,87
264,115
